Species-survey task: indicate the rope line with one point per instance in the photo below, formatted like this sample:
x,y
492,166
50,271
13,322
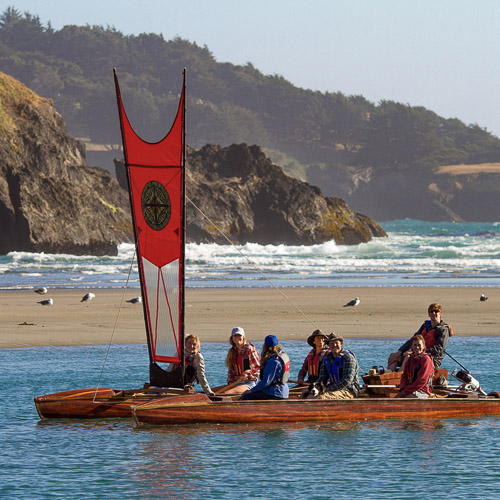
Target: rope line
x,y
114,327
253,264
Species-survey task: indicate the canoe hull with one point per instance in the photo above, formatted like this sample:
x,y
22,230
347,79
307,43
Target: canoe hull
x,y
94,403
171,413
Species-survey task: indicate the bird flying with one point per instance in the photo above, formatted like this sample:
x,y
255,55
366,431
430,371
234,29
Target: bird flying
x,y
135,300
87,297
353,303
41,290
47,302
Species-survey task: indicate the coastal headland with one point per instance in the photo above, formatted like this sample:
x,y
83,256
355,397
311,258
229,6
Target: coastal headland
x,y
290,313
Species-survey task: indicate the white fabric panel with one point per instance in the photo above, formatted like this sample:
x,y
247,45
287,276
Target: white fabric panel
x,y
162,289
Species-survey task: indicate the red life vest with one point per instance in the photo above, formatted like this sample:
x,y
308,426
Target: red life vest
x,y
429,334
241,361
313,363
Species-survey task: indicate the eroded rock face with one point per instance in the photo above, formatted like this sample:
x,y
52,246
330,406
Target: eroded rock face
x,y
50,199
238,190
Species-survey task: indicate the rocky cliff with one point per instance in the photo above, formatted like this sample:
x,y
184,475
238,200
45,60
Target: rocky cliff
x,y
50,199
449,193
238,190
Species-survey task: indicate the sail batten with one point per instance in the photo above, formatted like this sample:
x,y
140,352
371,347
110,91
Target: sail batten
x,y
156,174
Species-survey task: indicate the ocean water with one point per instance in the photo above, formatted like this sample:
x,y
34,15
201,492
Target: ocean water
x,y
443,458
416,253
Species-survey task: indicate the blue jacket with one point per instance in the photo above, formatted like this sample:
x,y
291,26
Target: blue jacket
x,y
272,372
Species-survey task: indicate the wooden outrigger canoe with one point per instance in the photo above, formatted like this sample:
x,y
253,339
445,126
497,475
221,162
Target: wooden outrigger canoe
x,y
100,403
199,409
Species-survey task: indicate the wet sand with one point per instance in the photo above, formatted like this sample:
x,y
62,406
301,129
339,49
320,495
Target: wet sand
x,y
290,314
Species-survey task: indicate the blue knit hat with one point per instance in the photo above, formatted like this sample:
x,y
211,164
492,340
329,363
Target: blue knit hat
x,y
271,341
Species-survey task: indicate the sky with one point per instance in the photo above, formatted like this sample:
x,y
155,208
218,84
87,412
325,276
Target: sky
x,y
440,54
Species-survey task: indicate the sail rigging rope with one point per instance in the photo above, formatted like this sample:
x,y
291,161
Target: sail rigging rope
x,y
114,327
253,264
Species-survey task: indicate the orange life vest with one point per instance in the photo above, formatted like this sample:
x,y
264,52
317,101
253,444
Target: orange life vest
x,y
429,334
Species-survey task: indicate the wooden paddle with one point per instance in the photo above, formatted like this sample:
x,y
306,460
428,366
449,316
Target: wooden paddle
x,y
300,384
227,387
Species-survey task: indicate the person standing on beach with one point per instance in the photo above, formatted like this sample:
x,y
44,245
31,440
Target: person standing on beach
x,y
274,373
195,365
417,373
339,372
243,363
435,333
311,365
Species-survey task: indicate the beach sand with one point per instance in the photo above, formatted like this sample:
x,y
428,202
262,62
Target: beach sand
x,y
291,313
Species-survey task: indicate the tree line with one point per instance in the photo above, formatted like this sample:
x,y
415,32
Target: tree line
x,y
226,103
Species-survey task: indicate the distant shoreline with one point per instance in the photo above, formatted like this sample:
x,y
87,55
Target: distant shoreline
x,y
211,313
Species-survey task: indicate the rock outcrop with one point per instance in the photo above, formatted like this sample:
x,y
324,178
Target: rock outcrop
x,y
465,193
238,191
50,199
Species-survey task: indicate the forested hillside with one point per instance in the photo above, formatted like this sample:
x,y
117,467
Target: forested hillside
x,y
317,136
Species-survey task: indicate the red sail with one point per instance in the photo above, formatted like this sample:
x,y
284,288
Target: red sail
x,y
156,183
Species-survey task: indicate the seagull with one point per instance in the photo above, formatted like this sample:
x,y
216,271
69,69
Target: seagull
x,y
41,290
47,302
483,297
87,297
135,300
353,303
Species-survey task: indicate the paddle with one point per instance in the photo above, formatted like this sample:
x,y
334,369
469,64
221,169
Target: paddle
x,y
300,384
227,387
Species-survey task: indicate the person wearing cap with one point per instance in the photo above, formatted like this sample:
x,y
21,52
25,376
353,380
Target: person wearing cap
x,y
435,333
274,372
243,363
338,372
311,365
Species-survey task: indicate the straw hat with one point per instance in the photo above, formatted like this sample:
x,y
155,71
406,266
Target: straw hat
x,y
316,333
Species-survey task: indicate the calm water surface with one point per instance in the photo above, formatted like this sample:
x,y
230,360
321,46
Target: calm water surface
x,y
112,459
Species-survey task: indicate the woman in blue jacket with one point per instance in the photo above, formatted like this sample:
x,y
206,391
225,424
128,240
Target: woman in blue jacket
x,y
274,372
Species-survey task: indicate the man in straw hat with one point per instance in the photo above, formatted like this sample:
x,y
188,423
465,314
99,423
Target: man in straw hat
x,y
339,371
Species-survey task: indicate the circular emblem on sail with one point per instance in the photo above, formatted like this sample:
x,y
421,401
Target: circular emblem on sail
x,y
156,206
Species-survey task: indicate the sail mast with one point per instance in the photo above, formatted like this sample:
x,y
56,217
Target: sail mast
x,y
183,232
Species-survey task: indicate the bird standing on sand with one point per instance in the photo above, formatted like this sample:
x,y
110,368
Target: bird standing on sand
x,y
483,297
41,290
135,300
87,297
353,303
47,302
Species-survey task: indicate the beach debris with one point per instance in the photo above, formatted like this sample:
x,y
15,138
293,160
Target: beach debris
x,y
87,297
41,290
47,302
25,323
352,303
483,297
135,300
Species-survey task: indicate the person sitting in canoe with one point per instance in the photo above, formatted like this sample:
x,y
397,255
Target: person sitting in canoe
x,y
311,365
435,333
243,364
338,374
274,372
195,365
417,373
